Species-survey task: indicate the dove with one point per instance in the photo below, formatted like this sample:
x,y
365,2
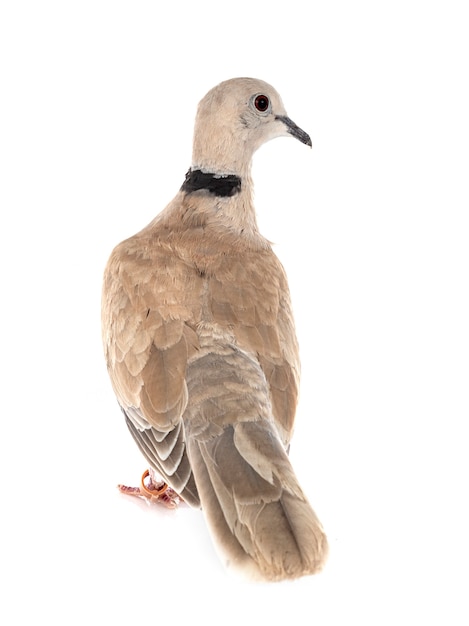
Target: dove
x,y
201,350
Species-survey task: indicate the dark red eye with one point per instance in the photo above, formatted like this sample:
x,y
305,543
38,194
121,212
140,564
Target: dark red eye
x,y
261,103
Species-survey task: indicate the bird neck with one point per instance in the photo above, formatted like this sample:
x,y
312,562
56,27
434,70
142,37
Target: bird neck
x,y
228,203
219,185
223,151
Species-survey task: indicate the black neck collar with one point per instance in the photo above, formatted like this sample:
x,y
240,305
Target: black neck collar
x,y
217,184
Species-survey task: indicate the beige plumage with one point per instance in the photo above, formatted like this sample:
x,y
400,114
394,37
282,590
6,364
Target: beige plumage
x,y
201,349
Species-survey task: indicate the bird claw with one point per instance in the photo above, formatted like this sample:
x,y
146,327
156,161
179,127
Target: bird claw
x,y
153,490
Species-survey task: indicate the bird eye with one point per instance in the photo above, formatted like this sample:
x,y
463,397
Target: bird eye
x,y
261,103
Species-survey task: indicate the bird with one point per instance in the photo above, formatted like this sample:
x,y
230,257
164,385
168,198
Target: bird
x,y
201,348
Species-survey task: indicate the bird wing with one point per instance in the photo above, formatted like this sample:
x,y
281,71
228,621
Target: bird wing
x,y
149,303
250,294
156,298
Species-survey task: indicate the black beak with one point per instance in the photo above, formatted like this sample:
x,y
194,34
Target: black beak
x,y
295,130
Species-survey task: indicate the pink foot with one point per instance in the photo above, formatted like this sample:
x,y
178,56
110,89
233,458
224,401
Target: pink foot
x,y
154,490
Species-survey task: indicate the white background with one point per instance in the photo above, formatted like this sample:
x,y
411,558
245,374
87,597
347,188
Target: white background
x,y
97,106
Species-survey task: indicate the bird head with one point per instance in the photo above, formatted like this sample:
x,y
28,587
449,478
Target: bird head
x,y
233,120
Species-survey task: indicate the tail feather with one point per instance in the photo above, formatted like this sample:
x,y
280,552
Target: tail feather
x,y
265,526
289,540
259,516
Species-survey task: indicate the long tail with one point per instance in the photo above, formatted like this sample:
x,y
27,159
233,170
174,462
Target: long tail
x,y
259,516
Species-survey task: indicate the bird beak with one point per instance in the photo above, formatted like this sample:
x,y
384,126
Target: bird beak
x,y
295,130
